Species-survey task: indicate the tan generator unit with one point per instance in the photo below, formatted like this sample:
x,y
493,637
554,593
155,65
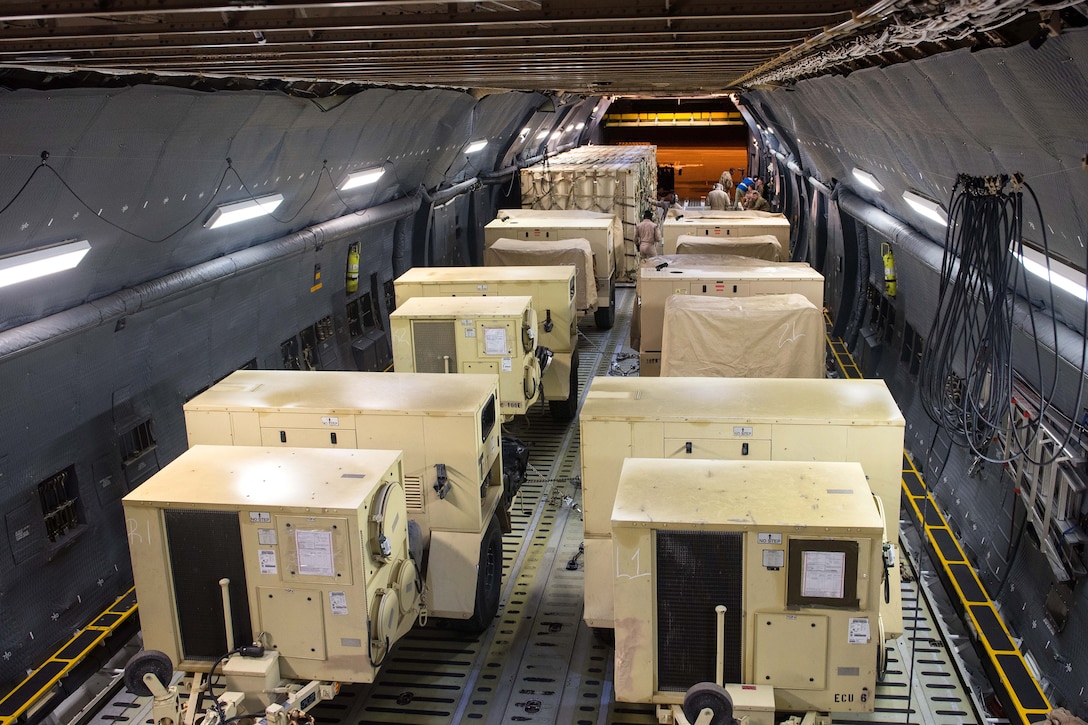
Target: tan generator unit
x,y
447,426
758,573
603,231
747,419
764,246
608,179
771,336
552,289
476,335
747,279
726,224
309,547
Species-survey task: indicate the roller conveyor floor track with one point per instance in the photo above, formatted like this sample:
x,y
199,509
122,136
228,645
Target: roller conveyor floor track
x,y
539,663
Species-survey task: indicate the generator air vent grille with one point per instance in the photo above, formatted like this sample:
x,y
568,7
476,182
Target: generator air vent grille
x,y
433,341
204,547
413,493
696,571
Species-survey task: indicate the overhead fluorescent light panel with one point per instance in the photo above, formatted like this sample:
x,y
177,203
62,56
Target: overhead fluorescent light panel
x,y
240,211
1060,275
867,179
362,178
926,207
475,146
40,262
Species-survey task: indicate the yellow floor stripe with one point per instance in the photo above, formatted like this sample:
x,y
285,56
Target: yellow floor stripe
x,y
41,680
989,628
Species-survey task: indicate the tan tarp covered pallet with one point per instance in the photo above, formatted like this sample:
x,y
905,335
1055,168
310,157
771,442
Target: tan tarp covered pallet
x,y
770,336
752,224
763,246
750,278
519,253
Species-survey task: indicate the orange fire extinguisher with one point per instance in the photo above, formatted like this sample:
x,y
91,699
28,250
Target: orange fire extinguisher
x,y
889,269
352,282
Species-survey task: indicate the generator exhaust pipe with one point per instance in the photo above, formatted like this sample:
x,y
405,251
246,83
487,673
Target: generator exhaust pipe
x,y
224,584
719,663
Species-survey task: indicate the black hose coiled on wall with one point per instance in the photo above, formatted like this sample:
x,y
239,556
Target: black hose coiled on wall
x,y
967,372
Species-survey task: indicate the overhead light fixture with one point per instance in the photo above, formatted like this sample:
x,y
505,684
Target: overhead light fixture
x,y
40,262
579,126
476,146
362,178
926,207
240,211
867,179
524,132
1060,275
557,134
542,135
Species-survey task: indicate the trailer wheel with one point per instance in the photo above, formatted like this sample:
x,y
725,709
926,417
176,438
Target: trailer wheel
x,y
150,661
564,410
488,582
605,318
712,695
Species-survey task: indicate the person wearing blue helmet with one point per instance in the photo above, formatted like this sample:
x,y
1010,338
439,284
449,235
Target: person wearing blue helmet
x,y
738,195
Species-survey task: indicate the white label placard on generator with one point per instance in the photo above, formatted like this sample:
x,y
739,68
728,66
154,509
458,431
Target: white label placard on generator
x,y
495,341
858,630
774,558
330,420
742,431
338,601
267,537
266,558
260,517
770,538
314,553
507,364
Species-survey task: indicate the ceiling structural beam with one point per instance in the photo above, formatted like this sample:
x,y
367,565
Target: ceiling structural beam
x,y
713,45
392,12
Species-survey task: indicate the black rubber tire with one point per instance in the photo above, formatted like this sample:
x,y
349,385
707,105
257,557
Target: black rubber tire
x,y
565,410
604,318
488,582
144,662
712,695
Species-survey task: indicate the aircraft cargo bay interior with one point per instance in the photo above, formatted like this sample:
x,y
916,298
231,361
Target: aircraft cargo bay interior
x,y
543,362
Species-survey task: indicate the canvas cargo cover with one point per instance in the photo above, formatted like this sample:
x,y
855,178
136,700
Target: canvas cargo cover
x,y
518,252
562,220
746,226
770,336
763,246
684,261
731,214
